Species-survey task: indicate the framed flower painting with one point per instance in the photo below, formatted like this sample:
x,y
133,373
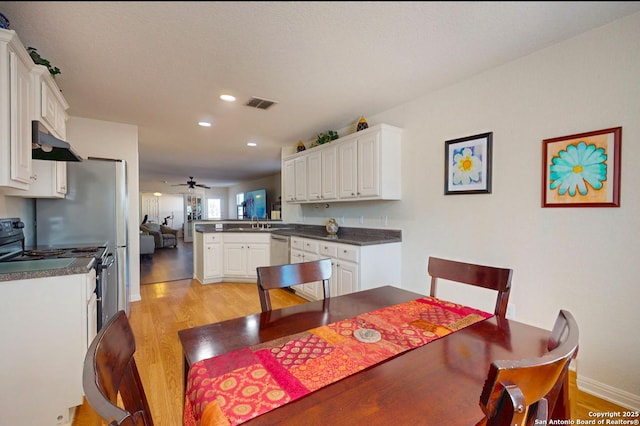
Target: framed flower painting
x,y
467,165
582,170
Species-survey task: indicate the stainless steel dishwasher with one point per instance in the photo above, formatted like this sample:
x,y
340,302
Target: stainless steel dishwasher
x,y
280,249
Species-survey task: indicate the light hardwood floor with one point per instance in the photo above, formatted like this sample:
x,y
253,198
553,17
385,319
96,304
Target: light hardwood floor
x,y
171,306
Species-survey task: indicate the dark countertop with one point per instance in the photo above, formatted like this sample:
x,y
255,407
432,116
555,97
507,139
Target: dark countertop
x,y
26,269
353,236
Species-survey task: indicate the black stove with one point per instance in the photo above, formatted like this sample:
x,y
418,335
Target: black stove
x,y
12,247
62,252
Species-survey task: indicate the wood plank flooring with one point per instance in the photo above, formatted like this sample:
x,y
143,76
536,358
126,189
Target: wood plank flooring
x,y
167,264
167,307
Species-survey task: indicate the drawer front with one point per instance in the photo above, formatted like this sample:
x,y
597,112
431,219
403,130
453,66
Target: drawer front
x,y
250,237
296,243
311,246
212,238
347,252
329,250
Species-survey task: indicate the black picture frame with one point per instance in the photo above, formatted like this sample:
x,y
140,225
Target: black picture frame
x,y
467,165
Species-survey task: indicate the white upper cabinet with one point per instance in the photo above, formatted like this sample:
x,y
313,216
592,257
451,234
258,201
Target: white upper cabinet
x,y
48,180
15,112
28,92
348,166
329,174
314,176
51,107
295,179
361,166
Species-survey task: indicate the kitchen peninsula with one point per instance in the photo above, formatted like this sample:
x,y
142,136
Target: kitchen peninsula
x,y
362,258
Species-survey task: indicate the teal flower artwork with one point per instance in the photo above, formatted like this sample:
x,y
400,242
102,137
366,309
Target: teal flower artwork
x,y
576,166
467,167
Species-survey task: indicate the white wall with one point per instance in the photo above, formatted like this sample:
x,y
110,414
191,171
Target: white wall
x,y
94,138
581,259
167,205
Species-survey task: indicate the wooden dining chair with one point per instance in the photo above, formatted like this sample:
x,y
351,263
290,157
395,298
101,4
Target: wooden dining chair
x,y
525,392
490,277
110,374
284,276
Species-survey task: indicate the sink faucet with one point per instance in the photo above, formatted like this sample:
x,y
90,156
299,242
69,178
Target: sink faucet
x,y
257,225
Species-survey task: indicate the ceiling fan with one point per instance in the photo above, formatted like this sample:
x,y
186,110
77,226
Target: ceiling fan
x,y
192,184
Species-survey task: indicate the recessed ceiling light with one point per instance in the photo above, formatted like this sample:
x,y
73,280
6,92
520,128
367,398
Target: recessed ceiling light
x,y
204,124
252,143
228,98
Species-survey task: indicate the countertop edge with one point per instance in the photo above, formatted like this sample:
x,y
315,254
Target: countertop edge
x,y
79,266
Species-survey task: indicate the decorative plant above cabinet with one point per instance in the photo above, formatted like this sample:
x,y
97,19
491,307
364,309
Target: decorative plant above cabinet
x,y
39,60
326,137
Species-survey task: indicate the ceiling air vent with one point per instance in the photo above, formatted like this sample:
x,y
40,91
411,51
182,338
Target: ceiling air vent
x,y
260,103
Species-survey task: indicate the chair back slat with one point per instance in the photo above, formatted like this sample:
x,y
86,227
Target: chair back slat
x,y
110,371
489,277
284,276
523,392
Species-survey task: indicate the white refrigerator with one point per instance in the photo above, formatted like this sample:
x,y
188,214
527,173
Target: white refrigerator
x,y
94,211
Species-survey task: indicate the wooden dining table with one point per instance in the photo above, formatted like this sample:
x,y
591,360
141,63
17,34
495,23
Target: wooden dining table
x,y
435,384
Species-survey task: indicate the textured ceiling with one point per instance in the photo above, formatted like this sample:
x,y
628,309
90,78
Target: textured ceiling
x,y
162,65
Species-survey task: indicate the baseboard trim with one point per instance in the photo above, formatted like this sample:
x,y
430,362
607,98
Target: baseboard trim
x,y
609,393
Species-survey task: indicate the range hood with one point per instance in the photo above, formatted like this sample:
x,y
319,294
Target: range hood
x,y
45,146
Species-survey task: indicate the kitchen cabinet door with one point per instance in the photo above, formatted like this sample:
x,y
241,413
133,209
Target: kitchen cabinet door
x,y
50,104
295,179
234,260
329,174
348,170
257,255
213,260
17,103
347,277
289,172
301,178
368,168
314,176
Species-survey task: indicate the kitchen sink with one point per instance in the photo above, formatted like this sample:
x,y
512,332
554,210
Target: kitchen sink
x,y
248,229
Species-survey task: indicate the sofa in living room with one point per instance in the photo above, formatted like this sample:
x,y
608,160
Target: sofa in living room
x,y
163,236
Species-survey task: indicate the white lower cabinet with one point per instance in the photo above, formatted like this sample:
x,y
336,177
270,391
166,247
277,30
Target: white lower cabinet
x,y
207,257
354,267
219,256
44,343
241,259
344,263
306,250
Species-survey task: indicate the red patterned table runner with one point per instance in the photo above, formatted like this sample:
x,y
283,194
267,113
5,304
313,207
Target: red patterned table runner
x,y
235,387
